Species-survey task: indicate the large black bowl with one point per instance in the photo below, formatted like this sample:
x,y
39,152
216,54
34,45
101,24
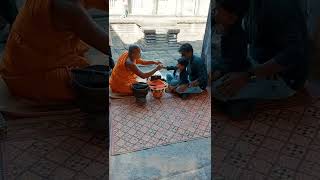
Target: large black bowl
x,y
140,90
140,85
91,85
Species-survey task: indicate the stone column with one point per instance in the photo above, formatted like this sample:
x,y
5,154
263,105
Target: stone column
x,y
155,7
207,44
197,8
172,36
179,8
149,36
130,6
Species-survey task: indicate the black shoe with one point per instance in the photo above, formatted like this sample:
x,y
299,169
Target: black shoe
x,y
183,96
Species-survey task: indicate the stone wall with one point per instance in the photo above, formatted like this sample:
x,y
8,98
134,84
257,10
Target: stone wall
x,y
206,48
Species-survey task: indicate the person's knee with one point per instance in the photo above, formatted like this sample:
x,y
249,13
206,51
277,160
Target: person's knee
x,y
169,76
170,80
174,83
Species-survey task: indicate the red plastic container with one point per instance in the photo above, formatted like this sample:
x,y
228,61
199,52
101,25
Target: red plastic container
x,y
157,88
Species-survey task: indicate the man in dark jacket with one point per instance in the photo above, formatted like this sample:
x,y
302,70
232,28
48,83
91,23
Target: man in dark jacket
x,y
278,49
231,47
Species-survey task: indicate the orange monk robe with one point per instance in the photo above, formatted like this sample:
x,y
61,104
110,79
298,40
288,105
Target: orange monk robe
x,y
38,59
122,78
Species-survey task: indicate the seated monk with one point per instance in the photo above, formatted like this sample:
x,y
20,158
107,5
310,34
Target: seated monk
x,y
47,40
125,72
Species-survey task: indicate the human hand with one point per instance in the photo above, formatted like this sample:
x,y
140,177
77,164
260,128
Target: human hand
x,y
159,67
232,83
157,62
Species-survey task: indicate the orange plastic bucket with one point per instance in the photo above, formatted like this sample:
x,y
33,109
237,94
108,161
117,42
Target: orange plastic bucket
x,y
157,88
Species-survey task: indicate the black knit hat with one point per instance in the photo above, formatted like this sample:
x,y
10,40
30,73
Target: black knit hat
x,y
237,7
183,61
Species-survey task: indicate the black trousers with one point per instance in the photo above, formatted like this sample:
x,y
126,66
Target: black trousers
x,y
8,10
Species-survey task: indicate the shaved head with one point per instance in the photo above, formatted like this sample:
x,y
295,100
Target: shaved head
x,y
132,48
134,52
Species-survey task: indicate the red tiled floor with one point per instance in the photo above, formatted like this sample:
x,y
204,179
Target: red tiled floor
x,y
53,155
266,155
279,172
44,167
245,147
302,176
62,173
160,122
282,143
251,175
310,168
95,169
259,165
30,175
289,162
229,171
273,144
58,155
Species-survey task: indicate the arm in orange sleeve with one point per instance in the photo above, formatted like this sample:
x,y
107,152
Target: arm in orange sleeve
x,y
144,62
70,15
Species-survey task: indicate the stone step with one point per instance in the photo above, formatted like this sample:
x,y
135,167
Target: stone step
x,y
146,39
159,38
162,39
161,35
150,36
172,37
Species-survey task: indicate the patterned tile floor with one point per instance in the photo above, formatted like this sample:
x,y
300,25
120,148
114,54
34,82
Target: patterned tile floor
x,y
122,35
52,147
275,144
159,122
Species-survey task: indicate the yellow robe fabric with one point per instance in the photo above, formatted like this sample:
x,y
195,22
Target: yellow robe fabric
x,y
38,59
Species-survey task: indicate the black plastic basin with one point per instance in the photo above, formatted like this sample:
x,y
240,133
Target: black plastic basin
x,y
91,85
